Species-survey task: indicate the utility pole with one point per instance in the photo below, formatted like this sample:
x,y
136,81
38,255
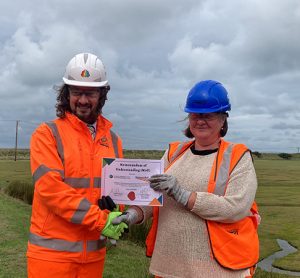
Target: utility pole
x,y
16,143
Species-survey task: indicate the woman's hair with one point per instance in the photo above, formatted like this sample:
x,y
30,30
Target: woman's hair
x,y
63,100
187,132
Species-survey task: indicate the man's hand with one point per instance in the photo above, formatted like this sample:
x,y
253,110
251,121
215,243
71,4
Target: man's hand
x,y
169,184
113,231
129,217
106,203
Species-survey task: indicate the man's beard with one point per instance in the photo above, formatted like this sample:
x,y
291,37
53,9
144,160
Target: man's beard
x,y
87,118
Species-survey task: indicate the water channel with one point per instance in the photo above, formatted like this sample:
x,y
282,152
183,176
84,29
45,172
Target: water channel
x,y
286,249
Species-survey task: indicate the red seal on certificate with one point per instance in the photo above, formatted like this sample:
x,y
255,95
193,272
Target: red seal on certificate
x,y
131,196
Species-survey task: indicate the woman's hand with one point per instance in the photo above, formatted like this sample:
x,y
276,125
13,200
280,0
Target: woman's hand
x,y
169,184
130,217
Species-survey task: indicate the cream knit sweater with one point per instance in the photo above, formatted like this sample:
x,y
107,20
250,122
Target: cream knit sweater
x,y
182,244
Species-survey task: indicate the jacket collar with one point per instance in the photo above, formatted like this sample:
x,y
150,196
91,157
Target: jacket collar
x,y
103,124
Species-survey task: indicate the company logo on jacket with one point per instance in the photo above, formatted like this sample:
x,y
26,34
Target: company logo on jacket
x,y
104,141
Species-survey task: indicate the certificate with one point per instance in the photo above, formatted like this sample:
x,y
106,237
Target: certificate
x,y
126,181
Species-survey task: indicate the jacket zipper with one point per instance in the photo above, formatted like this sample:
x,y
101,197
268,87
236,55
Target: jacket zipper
x,y
91,154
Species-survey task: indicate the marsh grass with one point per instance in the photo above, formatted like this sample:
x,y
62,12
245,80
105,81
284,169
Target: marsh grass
x,y
14,224
262,274
127,260
10,154
21,190
146,154
14,170
278,198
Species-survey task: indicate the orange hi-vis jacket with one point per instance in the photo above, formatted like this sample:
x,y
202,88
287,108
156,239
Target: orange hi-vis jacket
x,y
66,166
233,245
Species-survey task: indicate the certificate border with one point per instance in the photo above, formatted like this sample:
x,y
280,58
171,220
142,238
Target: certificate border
x,y
107,161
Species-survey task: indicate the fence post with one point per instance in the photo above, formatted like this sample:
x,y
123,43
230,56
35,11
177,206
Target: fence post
x,y
16,143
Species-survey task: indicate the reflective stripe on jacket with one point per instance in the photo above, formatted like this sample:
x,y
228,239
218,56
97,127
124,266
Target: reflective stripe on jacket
x,y
66,167
234,245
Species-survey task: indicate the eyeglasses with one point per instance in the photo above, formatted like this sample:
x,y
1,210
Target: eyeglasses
x,y
90,93
205,117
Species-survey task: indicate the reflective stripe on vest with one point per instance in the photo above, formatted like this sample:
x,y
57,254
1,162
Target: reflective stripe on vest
x,y
97,182
59,144
83,182
60,148
84,205
114,138
65,245
81,211
42,170
94,245
78,182
177,152
72,181
223,172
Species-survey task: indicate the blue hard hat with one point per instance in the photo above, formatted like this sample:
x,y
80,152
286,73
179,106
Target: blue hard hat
x,y
207,96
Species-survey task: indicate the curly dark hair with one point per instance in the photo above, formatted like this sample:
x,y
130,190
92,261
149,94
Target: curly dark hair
x,y
63,104
187,132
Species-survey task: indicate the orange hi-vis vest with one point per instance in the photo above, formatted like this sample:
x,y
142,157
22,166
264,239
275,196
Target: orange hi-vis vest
x,y
234,245
66,165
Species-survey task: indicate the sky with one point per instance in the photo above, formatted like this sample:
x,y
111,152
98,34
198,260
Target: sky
x,y
154,52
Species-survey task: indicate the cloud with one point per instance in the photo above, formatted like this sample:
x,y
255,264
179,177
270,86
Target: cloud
x,y
154,52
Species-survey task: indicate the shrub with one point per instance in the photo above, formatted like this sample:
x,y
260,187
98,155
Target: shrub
x,y
138,233
257,154
9,154
143,154
21,190
285,155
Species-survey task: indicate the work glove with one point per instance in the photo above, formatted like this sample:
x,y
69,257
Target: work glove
x,y
129,217
113,231
170,184
107,203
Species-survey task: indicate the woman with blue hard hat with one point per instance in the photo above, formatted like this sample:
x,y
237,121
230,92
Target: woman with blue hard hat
x,y
207,226
210,98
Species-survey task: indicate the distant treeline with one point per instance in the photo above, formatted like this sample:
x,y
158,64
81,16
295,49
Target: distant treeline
x,y
10,154
23,154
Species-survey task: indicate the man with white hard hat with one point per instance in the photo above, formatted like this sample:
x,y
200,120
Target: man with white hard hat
x,y
70,221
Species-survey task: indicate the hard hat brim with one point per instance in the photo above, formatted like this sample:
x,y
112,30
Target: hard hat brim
x,y
207,110
85,84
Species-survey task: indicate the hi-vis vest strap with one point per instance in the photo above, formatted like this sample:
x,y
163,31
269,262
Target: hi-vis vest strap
x,y
234,245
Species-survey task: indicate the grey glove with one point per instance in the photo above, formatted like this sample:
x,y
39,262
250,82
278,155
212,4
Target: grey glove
x,y
129,217
169,184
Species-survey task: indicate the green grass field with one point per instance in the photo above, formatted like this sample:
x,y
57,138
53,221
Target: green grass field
x,y
278,199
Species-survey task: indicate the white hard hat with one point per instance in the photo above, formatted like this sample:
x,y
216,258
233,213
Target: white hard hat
x,y
86,70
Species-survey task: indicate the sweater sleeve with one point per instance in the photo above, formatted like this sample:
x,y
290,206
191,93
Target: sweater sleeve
x,y
50,188
238,198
